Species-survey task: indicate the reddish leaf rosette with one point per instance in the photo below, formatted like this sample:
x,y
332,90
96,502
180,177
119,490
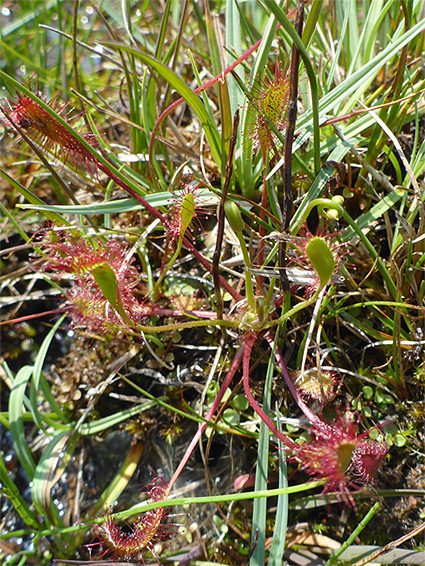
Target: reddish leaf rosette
x,y
340,455
104,280
135,541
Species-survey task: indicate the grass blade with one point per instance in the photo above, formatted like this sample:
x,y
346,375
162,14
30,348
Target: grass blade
x,y
12,492
186,92
16,404
259,513
281,521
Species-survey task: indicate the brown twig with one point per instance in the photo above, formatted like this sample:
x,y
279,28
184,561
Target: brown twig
x,y
390,546
289,138
220,216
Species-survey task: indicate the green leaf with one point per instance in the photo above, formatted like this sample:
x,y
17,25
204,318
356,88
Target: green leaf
x,y
369,218
27,17
37,378
106,279
281,521
12,492
120,481
16,403
187,212
96,427
359,81
240,402
185,92
321,258
50,468
121,205
234,216
259,513
33,199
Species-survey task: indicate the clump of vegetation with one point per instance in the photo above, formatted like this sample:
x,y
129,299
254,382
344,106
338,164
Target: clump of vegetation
x,y
228,286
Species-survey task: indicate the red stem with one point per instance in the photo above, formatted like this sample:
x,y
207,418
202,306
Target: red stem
x,y
31,317
224,387
314,419
249,342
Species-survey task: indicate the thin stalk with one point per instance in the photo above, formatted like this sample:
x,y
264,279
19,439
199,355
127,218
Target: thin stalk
x,y
360,527
183,325
314,419
236,362
289,139
262,228
221,218
248,279
249,342
270,295
287,314
156,294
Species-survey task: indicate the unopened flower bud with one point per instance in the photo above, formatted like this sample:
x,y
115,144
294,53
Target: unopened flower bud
x,y
321,258
234,216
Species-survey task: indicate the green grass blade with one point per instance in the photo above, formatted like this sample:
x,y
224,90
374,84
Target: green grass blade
x,y
234,44
16,404
19,503
120,481
33,199
225,102
122,205
259,513
50,468
23,20
311,23
118,19
190,97
37,375
281,520
7,214
95,427
357,83
335,60
215,499
377,211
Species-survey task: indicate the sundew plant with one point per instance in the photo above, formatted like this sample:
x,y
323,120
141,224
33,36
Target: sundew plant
x,y
213,233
